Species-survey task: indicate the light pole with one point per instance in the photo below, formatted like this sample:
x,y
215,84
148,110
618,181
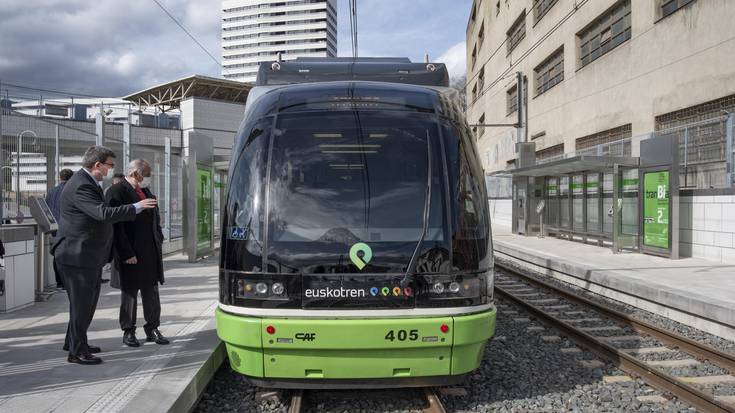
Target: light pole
x,y
17,171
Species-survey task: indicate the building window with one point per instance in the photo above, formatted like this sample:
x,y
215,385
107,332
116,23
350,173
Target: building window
x,y
540,8
473,16
474,56
474,93
703,149
550,153
611,142
670,6
517,32
481,36
481,80
550,72
607,32
512,99
497,9
481,121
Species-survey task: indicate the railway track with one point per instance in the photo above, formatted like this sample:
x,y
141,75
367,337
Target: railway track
x,y
695,373
432,402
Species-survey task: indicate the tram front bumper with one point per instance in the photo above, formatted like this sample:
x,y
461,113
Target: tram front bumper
x,y
355,348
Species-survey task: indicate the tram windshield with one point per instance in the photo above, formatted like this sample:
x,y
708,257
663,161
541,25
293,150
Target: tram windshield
x,y
339,178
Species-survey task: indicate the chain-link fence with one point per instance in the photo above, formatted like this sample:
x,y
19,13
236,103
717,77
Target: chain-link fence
x,y
35,149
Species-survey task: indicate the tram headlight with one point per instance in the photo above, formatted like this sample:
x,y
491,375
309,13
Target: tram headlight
x,y
438,288
453,287
462,286
277,289
261,288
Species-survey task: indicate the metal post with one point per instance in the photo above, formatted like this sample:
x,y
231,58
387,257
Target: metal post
x,y
167,188
126,142
57,156
100,127
730,147
2,158
17,170
686,149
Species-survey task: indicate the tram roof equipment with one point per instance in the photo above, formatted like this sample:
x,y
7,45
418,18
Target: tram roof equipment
x,y
373,69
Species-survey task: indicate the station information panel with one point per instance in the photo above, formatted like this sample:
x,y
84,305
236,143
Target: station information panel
x,y
656,209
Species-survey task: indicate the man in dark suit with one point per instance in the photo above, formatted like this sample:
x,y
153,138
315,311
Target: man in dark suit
x,y
84,245
137,253
53,199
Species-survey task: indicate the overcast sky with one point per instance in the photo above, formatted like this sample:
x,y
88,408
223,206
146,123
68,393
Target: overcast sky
x,y
116,47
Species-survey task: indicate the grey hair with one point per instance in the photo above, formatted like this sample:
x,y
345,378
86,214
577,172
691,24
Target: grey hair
x,y
137,165
96,154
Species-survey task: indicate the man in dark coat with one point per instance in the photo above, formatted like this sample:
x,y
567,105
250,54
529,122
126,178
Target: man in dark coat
x,y
138,262
53,199
84,244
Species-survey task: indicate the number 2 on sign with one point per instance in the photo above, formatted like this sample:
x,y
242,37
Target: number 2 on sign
x,y
660,218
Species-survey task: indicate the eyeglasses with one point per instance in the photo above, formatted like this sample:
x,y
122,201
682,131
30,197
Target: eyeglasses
x,y
111,165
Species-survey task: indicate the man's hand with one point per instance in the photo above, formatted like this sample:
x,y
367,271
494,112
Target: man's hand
x,y
131,260
148,203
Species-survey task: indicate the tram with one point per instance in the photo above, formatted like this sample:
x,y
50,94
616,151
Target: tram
x,y
356,245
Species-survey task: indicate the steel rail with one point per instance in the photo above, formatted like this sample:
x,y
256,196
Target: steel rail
x,y
698,350
433,403
629,364
297,398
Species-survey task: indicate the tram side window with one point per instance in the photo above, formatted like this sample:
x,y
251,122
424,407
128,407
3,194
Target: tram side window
x,y
244,213
471,238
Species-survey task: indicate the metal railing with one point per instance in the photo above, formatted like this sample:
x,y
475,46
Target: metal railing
x,y
35,149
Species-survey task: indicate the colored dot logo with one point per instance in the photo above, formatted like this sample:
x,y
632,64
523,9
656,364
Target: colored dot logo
x,y
396,291
407,291
374,291
385,291
361,260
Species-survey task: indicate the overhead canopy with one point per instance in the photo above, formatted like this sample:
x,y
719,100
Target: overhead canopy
x,y
169,95
575,164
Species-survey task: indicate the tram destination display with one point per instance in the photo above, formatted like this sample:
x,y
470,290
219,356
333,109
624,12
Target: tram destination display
x,y
656,209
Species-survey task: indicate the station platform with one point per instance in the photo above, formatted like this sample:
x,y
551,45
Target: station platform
x,y
35,376
693,291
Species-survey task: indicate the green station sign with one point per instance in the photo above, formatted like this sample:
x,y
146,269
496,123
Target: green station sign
x,y
204,206
656,212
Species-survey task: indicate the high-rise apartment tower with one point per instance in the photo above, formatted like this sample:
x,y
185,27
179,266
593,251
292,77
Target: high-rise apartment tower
x,y
256,31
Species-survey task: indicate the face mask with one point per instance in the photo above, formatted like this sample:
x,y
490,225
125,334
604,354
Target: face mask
x,y
146,182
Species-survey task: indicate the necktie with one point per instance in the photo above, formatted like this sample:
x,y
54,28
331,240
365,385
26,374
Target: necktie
x,y
140,193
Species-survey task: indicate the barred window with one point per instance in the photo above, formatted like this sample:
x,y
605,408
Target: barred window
x,y
607,32
612,142
517,32
512,99
481,121
540,8
550,72
481,36
481,80
670,6
550,152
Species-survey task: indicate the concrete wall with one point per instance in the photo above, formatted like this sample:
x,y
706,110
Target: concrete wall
x,y
707,227
669,64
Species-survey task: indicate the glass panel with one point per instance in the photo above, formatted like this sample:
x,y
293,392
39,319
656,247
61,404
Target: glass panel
x,y
578,202
564,201
607,203
552,202
593,202
630,202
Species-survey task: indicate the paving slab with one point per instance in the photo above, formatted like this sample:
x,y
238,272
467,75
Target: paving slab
x,y
693,291
35,376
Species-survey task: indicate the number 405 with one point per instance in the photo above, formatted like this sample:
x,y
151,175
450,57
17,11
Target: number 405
x,y
402,335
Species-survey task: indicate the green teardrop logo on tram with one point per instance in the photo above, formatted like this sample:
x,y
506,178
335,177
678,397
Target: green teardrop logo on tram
x,y
367,255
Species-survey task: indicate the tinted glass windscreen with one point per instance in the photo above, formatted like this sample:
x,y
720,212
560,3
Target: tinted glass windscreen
x,y
348,177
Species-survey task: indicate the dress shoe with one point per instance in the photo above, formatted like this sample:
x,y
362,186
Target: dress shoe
x,y
130,340
85,359
155,335
92,349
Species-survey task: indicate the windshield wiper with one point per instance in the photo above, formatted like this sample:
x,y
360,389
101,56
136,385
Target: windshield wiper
x,y
410,275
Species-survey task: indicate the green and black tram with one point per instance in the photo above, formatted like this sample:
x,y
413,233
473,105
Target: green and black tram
x,y
356,244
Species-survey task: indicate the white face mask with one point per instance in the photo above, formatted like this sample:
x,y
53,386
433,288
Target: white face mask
x,y
146,182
